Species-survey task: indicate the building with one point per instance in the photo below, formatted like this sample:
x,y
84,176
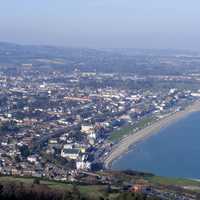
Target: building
x,y
83,165
70,153
88,129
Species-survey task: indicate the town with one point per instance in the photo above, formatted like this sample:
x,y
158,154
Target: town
x,y
56,124
99,100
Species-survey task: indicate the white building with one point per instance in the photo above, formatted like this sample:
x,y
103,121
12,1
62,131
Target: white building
x,y
87,129
68,146
83,165
32,159
195,94
70,153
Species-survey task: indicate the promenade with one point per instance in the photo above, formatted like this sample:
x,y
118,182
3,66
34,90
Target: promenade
x,y
123,146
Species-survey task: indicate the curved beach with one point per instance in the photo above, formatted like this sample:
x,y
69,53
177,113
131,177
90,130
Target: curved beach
x,y
123,146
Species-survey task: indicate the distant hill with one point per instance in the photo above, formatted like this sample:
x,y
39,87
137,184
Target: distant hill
x,y
153,52
97,60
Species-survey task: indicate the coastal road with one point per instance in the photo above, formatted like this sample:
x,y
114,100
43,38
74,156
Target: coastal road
x,y
123,146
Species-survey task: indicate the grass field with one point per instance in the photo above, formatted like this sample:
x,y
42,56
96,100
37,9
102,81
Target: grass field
x,y
130,129
173,181
97,191
51,184
119,134
88,190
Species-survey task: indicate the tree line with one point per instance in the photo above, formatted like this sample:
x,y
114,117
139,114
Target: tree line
x,y
37,191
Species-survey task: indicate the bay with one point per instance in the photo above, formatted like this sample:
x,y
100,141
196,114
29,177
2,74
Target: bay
x,y
174,151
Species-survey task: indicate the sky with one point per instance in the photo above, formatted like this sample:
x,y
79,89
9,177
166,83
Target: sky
x,y
102,23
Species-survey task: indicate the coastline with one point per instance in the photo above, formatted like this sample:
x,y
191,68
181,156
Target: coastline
x,y
123,146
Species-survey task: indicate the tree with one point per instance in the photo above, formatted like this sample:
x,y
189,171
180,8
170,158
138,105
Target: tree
x,y
25,152
36,181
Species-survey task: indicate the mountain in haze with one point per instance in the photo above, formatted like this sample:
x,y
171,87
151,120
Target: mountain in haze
x,y
97,60
154,52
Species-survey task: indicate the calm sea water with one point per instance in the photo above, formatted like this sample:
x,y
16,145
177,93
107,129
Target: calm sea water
x,y
174,151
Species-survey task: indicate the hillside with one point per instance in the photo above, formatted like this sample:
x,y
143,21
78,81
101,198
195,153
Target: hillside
x,y
109,185
138,61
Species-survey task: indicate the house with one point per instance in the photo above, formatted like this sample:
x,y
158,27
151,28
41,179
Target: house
x,y
15,172
68,146
72,154
53,141
32,159
88,129
83,165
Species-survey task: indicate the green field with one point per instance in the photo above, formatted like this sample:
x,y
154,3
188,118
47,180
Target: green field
x,y
173,181
119,134
130,129
29,181
93,191
97,191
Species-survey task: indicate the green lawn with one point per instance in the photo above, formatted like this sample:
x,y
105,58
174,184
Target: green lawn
x,y
173,181
51,184
97,191
119,134
130,129
94,191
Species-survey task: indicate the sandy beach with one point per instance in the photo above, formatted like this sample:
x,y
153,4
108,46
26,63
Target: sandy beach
x,y
123,146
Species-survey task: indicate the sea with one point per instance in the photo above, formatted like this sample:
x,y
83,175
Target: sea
x,y
174,151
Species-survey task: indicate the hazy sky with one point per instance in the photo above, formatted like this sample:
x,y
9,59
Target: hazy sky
x,y
102,23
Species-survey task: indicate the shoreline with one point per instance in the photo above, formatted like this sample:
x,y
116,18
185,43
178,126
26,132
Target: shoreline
x,y
123,146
